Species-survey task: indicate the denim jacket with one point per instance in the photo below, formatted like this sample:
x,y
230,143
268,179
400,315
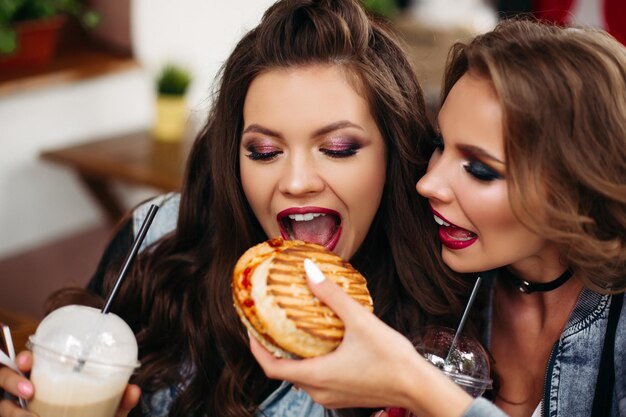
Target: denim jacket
x,y
285,401
572,369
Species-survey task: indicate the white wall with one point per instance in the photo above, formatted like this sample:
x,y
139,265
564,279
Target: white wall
x,y
41,201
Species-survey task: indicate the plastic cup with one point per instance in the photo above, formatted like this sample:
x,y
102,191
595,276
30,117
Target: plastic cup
x,y
82,361
468,364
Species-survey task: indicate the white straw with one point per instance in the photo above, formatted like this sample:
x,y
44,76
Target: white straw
x,y
8,341
459,329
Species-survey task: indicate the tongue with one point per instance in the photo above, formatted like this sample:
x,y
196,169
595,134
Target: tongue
x,y
319,230
458,233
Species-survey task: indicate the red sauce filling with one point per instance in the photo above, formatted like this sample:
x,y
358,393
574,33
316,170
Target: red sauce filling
x,y
276,242
245,281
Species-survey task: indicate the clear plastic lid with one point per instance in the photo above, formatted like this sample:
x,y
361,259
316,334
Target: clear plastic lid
x,y
85,333
468,364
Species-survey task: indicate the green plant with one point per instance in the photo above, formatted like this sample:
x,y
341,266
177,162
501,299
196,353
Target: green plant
x,y
15,11
173,80
386,8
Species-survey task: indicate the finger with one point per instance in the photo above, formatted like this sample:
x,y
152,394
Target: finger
x,y
272,366
10,409
24,361
292,370
262,355
14,384
130,399
330,293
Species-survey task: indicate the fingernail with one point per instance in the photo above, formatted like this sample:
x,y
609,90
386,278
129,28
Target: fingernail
x,y
20,360
313,273
25,388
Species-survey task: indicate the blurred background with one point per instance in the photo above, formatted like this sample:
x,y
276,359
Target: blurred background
x,y
77,126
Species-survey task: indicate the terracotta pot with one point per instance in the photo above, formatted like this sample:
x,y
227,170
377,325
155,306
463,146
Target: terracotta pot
x,y
171,118
36,44
113,31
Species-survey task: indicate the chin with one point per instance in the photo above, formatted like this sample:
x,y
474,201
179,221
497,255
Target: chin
x,y
345,254
458,265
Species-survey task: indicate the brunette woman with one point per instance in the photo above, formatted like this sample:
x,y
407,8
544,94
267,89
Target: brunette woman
x,y
317,132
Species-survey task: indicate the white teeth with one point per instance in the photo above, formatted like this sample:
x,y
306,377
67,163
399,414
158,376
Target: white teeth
x,y
440,221
305,217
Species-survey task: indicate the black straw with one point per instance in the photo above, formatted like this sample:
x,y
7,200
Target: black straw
x,y
131,256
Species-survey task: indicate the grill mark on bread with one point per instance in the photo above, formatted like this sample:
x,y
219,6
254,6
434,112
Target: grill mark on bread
x,y
286,288
287,283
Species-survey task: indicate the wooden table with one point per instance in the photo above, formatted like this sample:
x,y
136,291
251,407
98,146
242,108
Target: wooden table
x,y
134,158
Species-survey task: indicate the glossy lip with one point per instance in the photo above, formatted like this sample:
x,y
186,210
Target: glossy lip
x,y
332,243
447,240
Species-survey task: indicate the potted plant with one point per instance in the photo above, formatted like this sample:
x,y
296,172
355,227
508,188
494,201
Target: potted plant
x,y
385,8
29,29
171,111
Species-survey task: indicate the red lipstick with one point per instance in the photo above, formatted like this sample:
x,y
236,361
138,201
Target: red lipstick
x,y
453,236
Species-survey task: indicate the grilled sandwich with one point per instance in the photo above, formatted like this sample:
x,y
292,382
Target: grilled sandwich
x,y
274,302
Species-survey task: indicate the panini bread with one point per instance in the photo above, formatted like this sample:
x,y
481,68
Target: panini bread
x,y
271,296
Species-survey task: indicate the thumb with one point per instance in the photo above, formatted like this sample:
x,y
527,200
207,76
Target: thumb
x,y
330,293
129,400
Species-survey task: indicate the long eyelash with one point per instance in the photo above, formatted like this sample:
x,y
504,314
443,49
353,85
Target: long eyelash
x,y
481,172
262,156
343,153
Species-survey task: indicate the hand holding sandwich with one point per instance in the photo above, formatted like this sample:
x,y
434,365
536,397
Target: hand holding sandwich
x,y
374,366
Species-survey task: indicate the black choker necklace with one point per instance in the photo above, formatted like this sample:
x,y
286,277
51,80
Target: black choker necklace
x,y
529,287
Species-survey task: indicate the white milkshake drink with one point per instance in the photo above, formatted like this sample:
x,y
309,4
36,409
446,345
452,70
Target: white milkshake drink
x,y
82,361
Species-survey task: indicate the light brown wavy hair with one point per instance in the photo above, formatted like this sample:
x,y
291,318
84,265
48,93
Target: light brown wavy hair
x,y
179,290
563,98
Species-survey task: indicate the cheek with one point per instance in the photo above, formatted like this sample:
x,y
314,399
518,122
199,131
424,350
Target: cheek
x,y
254,187
363,192
488,211
503,239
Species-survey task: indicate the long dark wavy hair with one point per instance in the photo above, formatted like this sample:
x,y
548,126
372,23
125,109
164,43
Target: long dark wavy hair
x,y
179,293
563,98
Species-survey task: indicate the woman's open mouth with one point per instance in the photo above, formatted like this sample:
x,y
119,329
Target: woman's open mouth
x,y
453,236
310,224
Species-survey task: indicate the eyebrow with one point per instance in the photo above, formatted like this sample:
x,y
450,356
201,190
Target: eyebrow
x,y
260,129
475,150
342,124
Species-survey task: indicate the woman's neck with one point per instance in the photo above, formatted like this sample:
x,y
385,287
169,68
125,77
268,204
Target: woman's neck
x,y
527,326
543,306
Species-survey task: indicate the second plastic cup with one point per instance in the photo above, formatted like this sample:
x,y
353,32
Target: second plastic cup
x,y
468,364
82,361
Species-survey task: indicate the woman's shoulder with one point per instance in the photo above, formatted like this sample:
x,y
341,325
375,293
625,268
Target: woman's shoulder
x,y
164,221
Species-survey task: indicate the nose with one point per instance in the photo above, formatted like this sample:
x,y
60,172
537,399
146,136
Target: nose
x,y
301,177
435,185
